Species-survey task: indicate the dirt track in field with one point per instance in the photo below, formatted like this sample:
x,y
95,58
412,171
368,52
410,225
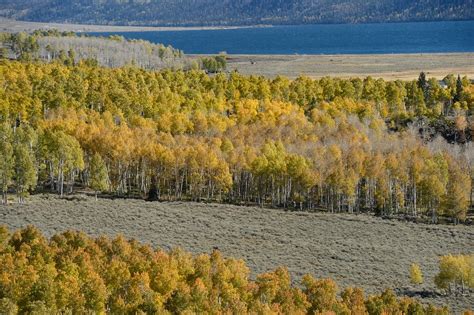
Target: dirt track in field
x,y
354,250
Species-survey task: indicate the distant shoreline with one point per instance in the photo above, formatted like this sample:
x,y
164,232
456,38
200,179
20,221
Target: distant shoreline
x,y
10,25
13,26
388,66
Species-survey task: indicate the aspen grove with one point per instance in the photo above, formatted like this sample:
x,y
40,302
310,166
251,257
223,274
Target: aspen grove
x,y
339,145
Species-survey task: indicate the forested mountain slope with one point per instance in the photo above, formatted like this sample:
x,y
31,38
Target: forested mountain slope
x,y
237,12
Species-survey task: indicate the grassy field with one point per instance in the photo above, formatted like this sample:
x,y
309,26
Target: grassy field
x,y
389,67
354,250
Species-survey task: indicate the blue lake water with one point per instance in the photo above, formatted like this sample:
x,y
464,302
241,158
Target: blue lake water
x,y
385,38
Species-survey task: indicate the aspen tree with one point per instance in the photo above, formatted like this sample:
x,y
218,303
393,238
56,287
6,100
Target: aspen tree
x,y
6,159
416,276
98,179
25,162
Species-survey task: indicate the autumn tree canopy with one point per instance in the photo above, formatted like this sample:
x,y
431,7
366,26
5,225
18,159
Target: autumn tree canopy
x,y
73,273
336,144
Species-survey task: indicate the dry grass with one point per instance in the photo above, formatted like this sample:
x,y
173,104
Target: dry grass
x,y
354,250
390,67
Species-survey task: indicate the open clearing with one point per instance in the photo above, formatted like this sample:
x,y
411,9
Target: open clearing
x,y
389,67
354,250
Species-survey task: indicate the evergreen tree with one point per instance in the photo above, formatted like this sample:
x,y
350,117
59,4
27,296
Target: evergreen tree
x,y
423,84
459,90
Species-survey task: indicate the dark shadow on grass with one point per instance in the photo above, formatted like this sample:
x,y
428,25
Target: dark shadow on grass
x,y
413,293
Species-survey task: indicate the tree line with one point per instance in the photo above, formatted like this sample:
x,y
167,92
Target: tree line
x,y
113,51
74,273
69,48
339,145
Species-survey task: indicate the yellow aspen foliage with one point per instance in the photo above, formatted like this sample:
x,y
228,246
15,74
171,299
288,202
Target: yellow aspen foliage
x,y
72,272
335,144
416,276
456,273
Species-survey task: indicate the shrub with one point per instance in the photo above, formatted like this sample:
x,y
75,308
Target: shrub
x,y
416,276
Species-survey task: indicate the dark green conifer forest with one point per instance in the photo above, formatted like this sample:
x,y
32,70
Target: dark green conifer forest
x,y
232,12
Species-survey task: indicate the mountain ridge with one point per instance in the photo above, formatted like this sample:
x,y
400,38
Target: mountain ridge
x,y
237,12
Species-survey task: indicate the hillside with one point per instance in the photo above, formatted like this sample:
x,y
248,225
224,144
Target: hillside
x,y
346,248
239,12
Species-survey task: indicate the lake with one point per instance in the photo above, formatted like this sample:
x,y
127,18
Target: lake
x,y
385,38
